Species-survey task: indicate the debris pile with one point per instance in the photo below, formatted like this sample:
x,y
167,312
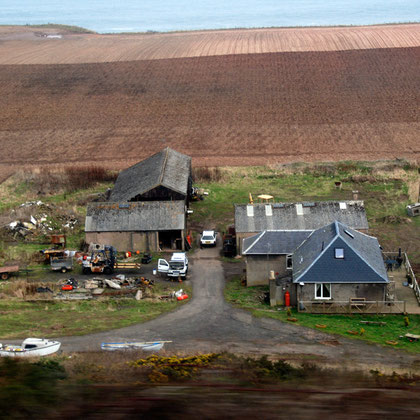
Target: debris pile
x,y
118,286
35,218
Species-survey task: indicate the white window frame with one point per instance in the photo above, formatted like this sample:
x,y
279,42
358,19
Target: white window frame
x,y
289,258
322,291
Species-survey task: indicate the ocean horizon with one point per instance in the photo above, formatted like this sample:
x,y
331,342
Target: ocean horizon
x,y
105,16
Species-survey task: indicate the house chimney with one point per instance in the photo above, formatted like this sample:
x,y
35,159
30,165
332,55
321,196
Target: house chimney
x,y
355,195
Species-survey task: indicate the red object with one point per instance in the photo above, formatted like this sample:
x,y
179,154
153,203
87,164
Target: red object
x,y
84,257
182,297
189,240
67,287
287,299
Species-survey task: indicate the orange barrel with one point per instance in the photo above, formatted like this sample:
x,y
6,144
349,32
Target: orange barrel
x,y
287,299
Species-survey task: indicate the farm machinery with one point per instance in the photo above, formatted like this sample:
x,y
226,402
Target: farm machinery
x,y
103,259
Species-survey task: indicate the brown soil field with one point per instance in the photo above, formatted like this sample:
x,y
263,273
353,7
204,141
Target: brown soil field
x,y
26,45
240,109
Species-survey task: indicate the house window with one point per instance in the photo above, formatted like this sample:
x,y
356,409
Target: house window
x,y
339,253
323,291
289,262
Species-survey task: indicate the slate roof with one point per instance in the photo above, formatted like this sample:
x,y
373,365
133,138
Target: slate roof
x,y
314,260
168,168
284,216
138,216
274,242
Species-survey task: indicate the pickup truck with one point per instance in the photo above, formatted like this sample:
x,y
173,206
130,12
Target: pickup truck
x,y
176,267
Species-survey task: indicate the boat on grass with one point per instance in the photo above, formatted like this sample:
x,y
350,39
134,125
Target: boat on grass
x,y
30,347
135,345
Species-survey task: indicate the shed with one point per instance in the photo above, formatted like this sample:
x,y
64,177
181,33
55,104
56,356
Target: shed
x,y
165,176
145,226
255,218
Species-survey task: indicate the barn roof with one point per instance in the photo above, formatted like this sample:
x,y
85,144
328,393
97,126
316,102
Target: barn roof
x,y
274,242
361,262
299,216
137,216
168,168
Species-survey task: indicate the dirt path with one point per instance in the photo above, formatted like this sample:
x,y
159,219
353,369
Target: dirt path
x,y
208,323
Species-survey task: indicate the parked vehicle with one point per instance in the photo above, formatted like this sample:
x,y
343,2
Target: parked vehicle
x,y
103,259
229,242
62,264
208,238
30,347
176,267
7,270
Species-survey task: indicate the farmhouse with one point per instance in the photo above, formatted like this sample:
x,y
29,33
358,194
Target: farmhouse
x,y
255,218
271,251
147,207
334,264
146,226
165,176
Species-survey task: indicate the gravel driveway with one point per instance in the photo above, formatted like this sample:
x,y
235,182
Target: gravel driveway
x,y
208,323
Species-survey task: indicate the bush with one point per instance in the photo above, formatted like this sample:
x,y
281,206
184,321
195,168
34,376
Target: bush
x,y
207,174
28,389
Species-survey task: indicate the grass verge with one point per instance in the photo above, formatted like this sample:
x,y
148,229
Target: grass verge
x,y
248,298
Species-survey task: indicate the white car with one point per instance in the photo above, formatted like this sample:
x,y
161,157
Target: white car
x,y
208,238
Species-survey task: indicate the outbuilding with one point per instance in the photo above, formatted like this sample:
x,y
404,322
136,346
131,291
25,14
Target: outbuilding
x,y
256,218
271,251
144,226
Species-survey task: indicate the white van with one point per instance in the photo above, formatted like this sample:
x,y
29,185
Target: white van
x,y
176,267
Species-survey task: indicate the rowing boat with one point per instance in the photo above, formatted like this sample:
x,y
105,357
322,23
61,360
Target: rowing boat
x,y
145,346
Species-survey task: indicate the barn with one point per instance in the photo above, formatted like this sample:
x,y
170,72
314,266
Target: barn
x,y
147,206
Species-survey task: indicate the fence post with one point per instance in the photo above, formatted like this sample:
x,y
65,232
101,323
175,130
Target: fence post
x,y
377,307
404,307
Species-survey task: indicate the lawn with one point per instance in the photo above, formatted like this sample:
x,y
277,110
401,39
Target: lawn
x,y
248,298
50,318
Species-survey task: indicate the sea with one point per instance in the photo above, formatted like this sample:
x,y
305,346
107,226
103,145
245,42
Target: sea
x,y
112,16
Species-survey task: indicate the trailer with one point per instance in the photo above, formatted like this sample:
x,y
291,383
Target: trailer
x,y
6,271
62,264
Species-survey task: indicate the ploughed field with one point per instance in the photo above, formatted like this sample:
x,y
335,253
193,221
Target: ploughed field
x,y
31,45
222,110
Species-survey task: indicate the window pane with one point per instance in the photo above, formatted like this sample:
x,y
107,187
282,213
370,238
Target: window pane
x,y
318,290
339,253
326,290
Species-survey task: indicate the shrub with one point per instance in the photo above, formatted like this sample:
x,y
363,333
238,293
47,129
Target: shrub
x,y
206,174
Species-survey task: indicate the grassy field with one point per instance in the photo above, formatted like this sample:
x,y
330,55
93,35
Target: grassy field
x,y
20,319
385,188
248,298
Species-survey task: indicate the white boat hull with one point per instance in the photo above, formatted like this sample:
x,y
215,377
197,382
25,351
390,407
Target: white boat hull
x,y
155,346
44,348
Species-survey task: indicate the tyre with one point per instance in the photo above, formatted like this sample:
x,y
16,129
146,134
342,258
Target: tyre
x,y
4,276
63,269
86,270
107,270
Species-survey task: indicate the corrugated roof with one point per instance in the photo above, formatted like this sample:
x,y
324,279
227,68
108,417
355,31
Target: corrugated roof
x,y
314,260
138,216
168,168
287,216
274,242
